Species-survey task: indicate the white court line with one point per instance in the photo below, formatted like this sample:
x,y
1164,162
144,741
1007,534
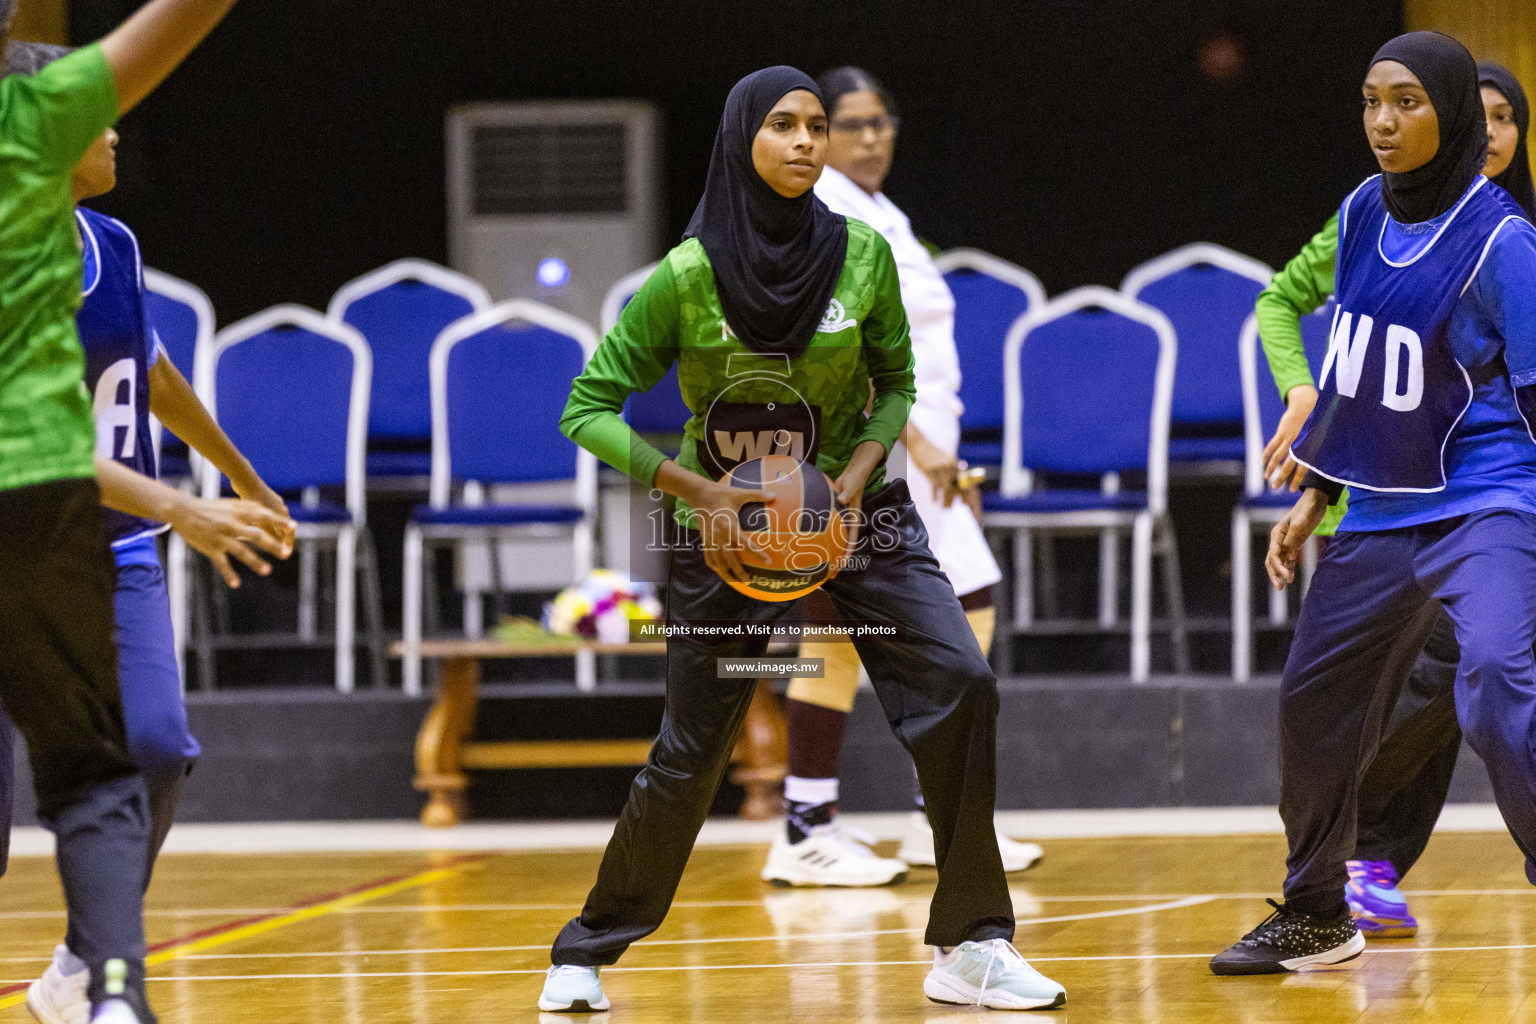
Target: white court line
x,y
408,836
818,964
1190,901
498,908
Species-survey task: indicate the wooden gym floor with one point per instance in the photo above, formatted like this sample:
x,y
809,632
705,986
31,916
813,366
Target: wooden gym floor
x,y
1126,924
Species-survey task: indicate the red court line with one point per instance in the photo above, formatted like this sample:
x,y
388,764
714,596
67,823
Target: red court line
x,y
229,926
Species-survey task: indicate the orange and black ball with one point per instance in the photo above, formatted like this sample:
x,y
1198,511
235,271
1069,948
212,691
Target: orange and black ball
x,y
796,541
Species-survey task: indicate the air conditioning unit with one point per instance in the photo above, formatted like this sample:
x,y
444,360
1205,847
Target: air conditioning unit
x,y
553,200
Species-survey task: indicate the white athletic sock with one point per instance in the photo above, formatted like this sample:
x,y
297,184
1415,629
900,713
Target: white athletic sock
x,y
69,964
810,791
114,1011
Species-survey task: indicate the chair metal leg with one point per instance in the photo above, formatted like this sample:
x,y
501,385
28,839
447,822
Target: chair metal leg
x,y
373,611
1173,594
1002,642
1242,584
583,544
499,606
1279,606
1109,577
470,554
346,587
431,612
205,587
1045,572
176,589
1023,579
1141,598
218,594
410,601
309,570
1309,554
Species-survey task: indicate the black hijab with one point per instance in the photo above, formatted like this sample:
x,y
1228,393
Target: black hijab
x,y
776,260
1449,75
1516,179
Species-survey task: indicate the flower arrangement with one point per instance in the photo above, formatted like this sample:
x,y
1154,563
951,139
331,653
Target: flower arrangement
x,y
602,608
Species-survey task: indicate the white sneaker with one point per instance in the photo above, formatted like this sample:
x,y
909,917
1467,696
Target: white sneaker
x,y
59,996
830,855
115,1011
1018,856
571,989
990,974
917,847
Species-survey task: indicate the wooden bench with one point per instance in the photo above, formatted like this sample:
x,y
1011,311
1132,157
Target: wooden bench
x,y
445,750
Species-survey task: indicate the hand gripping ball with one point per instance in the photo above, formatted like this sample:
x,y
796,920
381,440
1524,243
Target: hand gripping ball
x,y
797,541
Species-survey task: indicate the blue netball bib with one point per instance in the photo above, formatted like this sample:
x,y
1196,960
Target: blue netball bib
x,y
1391,392
119,348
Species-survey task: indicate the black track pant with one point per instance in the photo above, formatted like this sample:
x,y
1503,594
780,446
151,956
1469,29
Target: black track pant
x,y
938,693
1404,789
58,682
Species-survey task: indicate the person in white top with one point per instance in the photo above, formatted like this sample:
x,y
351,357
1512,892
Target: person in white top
x,y
814,849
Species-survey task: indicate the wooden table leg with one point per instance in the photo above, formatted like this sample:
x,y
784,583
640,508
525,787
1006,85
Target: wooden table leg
x,y
439,771
762,755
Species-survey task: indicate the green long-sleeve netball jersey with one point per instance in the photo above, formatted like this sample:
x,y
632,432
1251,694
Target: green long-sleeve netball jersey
x,y
747,404
1302,286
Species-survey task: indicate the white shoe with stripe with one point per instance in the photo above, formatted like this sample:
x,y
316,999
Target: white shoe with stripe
x,y
917,847
829,856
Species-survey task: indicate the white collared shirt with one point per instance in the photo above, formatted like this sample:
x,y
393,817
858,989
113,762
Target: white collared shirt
x,y
929,303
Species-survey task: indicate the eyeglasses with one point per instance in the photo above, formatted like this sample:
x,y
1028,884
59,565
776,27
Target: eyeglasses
x,y
880,124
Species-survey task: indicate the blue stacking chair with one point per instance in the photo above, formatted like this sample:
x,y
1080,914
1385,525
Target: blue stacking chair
x,y
1088,385
1261,507
500,380
290,388
400,309
659,414
1206,291
990,294
182,317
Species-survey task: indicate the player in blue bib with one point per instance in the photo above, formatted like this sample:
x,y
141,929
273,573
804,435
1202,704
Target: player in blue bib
x,y
129,377
1425,404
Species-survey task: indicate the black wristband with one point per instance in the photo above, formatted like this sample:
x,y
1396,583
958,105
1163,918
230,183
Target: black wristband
x,y
1332,488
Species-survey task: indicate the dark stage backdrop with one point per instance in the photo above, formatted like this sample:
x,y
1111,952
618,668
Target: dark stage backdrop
x,y
304,143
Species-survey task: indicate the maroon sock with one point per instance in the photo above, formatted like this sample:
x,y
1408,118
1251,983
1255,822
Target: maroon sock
x,y
815,739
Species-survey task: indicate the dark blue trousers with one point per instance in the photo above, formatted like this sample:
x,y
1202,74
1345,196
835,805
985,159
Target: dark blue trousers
x,y
153,708
1372,605
1404,790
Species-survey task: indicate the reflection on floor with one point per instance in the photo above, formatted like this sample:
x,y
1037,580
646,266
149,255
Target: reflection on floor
x,y
1125,923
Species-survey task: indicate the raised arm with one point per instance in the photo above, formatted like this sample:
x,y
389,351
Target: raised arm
x,y
146,48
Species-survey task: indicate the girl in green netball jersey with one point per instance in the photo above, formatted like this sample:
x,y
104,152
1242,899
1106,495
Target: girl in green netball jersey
x,y
1405,788
782,317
